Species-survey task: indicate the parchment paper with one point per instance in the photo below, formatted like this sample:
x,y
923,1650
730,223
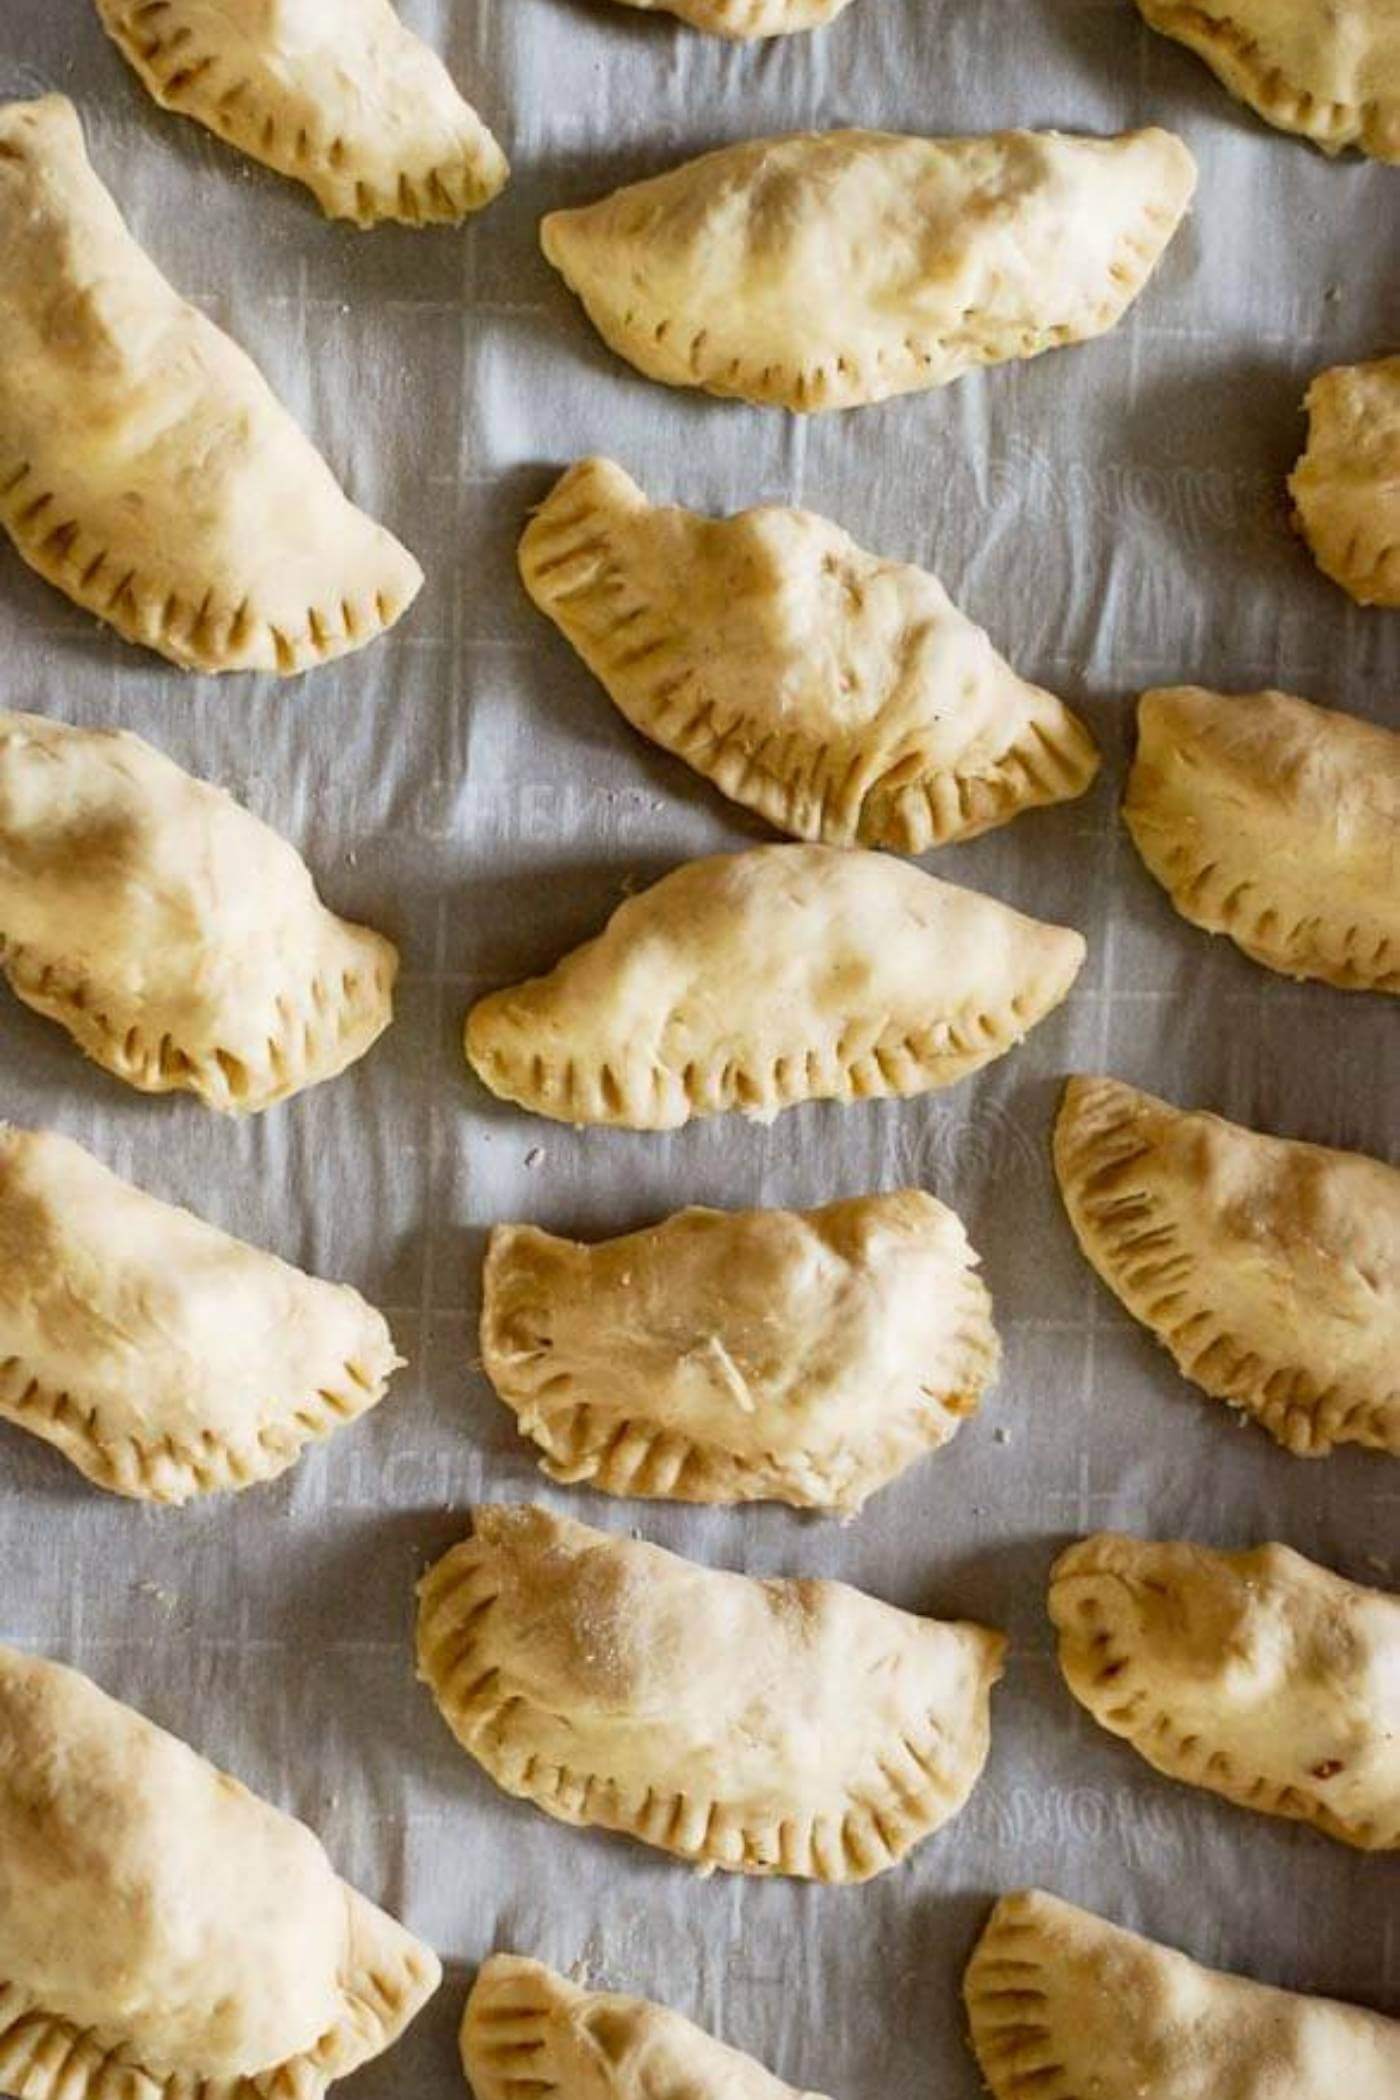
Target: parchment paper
x,y
1115,515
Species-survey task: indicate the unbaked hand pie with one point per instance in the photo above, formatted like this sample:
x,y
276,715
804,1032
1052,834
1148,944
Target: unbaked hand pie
x,y
1269,1268
146,467
338,94
745,19
830,269
527,2030
1257,1675
843,697
1064,2005
757,980
1277,823
731,1356
776,1727
163,1357
176,938
1327,69
164,1934
1346,486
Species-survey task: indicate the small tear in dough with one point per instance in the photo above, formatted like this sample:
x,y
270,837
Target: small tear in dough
x,y
843,697
831,269
1064,2005
757,980
1270,1269
166,1934
777,1727
1257,1675
179,941
730,1356
1346,486
164,1358
146,467
1277,823
338,94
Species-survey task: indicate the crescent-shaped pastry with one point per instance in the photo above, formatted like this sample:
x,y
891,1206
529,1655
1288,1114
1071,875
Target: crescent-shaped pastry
x,y
163,1357
843,697
743,20
338,94
764,1727
179,941
1330,72
830,269
1346,486
732,1356
164,1934
527,2029
1270,1269
146,467
1276,822
1064,2005
757,980
1257,1675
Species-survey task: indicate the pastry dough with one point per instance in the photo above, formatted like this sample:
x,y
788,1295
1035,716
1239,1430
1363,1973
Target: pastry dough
x,y
161,1356
835,268
1328,69
1346,486
176,938
146,468
757,980
338,94
745,19
1064,2005
1275,822
164,1934
1270,1269
728,1356
1257,1675
528,2030
843,697
763,1727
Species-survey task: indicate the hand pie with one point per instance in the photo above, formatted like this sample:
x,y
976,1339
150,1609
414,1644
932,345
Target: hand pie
x,y
1329,72
338,94
1257,1675
163,1357
757,980
1270,1269
1346,486
1064,2005
731,1356
527,2029
745,19
1275,822
146,467
163,1932
178,940
835,268
844,698
763,1727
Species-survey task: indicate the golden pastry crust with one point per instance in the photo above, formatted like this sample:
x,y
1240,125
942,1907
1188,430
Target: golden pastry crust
x,y
1277,823
338,94
830,269
1329,72
163,1357
730,1356
1064,2005
1257,1675
164,1934
758,980
179,941
1270,1269
146,467
1346,486
843,697
743,20
772,1727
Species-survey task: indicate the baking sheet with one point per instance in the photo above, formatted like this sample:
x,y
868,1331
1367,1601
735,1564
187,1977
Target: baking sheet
x,y
1115,515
